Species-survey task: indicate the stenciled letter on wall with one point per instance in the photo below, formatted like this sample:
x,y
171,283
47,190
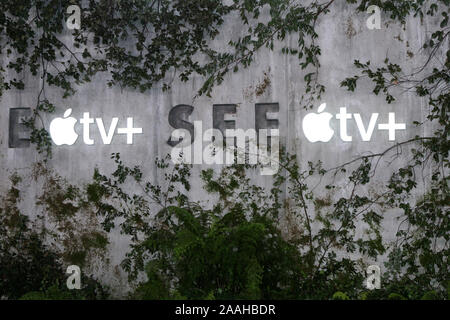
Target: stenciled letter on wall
x,y
19,134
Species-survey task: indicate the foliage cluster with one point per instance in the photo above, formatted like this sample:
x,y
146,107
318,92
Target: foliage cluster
x,y
31,268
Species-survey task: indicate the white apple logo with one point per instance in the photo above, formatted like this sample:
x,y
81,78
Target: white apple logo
x,y
316,126
62,129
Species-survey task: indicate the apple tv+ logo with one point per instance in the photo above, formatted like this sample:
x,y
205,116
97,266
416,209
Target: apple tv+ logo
x,y
62,130
316,126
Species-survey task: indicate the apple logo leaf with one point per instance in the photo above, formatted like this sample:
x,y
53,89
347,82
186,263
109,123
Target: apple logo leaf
x,y
321,107
67,113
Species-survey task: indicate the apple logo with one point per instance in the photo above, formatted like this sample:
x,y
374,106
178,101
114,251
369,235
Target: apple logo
x,y
316,126
62,129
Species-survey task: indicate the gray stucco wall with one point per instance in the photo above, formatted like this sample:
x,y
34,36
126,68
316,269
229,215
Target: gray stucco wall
x,y
344,37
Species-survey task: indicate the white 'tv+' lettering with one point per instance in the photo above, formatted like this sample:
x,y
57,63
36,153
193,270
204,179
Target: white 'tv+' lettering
x,y
107,138
129,130
86,121
366,134
391,126
315,124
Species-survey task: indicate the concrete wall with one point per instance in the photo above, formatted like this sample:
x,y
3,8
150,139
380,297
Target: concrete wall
x,y
344,37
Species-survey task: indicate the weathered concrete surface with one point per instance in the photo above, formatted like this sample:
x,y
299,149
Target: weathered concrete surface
x,y
343,38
